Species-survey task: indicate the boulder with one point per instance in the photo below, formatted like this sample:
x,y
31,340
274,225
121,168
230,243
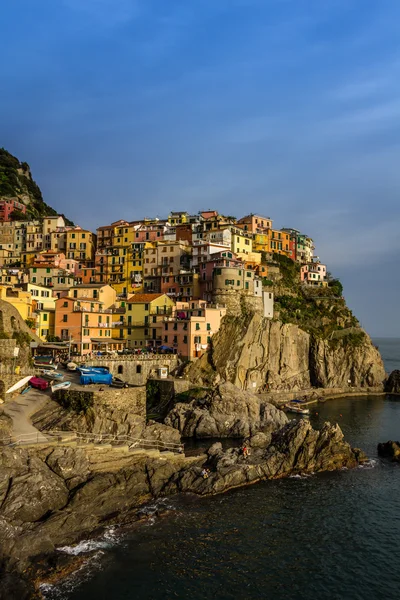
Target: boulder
x,y
390,450
160,432
392,385
227,412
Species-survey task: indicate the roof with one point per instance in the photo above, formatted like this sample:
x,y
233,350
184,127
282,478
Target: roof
x,y
143,298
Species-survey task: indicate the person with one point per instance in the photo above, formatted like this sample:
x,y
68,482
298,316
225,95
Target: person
x,y
205,473
245,451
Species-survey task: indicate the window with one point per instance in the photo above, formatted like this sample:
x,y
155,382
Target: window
x,y
197,339
208,339
120,369
75,293
138,369
247,285
34,269
33,279
238,282
208,326
65,318
86,346
165,326
65,304
45,317
146,307
73,236
248,274
86,332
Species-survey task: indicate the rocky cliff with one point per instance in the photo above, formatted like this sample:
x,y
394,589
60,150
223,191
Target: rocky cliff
x,y
266,355
225,411
16,182
52,495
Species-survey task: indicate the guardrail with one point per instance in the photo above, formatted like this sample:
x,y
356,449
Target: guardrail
x,y
26,438
97,438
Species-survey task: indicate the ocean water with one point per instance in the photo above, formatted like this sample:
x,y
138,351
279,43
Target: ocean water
x,y
390,352
331,536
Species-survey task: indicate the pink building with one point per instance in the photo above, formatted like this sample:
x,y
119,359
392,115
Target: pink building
x,y
190,330
314,273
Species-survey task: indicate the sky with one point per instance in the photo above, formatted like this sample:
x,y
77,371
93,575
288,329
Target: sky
x,y
288,108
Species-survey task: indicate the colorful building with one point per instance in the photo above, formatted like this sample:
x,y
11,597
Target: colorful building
x,y
142,311
191,328
254,223
86,324
7,207
314,273
80,245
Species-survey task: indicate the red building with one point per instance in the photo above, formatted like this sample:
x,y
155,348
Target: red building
x,y
8,206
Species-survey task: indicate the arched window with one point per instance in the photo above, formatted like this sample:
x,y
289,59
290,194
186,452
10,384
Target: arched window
x,y
120,369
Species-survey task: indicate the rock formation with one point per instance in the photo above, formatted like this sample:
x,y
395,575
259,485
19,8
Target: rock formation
x,y
225,412
294,449
262,354
390,450
55,495
392,385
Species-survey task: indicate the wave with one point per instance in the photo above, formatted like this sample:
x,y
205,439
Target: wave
x,y
63,590
369,464
107,540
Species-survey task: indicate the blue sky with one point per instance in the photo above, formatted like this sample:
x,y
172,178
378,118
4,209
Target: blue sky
x,y
291,108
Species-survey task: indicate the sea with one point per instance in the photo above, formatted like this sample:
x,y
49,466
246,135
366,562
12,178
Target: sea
x,y
329,536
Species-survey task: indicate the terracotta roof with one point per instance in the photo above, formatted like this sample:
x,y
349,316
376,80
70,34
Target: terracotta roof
x,y
143,298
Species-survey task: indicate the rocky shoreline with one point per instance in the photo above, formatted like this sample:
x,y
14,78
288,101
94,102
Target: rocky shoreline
x,y
52,496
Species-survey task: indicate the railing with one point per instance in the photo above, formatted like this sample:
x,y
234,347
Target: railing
x,y
56,436
26,438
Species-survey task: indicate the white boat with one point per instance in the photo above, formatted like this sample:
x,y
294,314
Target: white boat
x,y
62,385
295,408
47,374
19,384
43,365
71,366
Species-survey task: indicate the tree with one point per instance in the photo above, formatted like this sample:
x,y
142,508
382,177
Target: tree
x,y
336,287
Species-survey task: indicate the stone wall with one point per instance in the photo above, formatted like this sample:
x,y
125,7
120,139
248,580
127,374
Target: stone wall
x,y
237,301
136,369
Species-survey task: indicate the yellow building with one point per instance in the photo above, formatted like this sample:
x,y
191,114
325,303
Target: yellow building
x,y
28,258
94,292
45,320
141,318
178,218
273,241
242,242
80,245
20,299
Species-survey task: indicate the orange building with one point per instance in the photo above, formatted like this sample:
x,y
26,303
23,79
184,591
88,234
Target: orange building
x,y
85,324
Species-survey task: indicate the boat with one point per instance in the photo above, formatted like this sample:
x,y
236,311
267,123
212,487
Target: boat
x,y
26,390
41,365
18,385
61,385
295,408
118,382
71,366
51,375
39,383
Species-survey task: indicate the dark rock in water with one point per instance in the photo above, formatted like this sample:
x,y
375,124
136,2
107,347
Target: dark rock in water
x,y
296,448
226,412
390,450
392,385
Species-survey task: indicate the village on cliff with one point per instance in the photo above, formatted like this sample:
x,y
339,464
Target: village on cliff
x,y
153,284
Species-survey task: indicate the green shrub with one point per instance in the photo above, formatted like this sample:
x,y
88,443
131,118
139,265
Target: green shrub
x,y
74,400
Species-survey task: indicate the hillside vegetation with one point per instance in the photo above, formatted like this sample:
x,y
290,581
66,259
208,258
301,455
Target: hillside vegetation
x,y
319,311
16,182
